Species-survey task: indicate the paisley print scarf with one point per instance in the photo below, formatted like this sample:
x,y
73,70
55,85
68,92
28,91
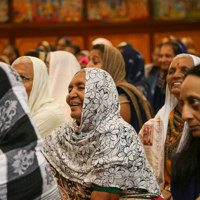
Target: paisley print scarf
x,y
24,172
174,133
104,149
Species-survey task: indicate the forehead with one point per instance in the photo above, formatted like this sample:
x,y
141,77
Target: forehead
x,y
79,77
61,41
190,86
23,66
96,52
183,61
166,49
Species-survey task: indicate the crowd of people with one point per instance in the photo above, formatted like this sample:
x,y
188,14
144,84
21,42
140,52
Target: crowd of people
x,y
100,124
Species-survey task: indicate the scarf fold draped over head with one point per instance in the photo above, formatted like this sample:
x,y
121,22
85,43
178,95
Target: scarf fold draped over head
x,y
104,150
63,66
114,64
45,112
24,172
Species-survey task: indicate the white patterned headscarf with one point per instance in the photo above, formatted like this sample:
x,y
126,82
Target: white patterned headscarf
x,y
104,150
24,172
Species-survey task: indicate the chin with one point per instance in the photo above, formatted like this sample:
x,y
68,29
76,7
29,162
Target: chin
x,y
176,93
196,134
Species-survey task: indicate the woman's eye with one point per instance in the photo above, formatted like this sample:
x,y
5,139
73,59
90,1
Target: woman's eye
x,y
170,72
184,71
81,88
195,103
24,78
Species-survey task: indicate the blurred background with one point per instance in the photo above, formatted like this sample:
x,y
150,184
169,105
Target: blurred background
x,y
142,23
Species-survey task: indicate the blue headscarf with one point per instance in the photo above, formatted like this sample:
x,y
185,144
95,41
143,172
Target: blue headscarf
x,y
134,62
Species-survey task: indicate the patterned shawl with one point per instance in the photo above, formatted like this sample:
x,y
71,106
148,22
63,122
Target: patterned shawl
x,y
104,150
174,133
24,172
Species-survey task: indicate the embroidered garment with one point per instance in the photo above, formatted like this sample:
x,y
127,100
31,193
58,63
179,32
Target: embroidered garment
x,y
63,66
158,128
104,149
174,133
24,172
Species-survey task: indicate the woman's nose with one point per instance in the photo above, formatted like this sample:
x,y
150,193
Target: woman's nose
x,y
186,113
72,93
89,64
177,74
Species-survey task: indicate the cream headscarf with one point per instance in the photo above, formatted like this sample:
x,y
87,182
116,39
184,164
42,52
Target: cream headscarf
x,y
162,117
45,112
63,67
101,41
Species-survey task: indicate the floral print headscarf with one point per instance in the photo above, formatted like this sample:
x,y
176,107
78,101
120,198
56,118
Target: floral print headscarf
x,y
104,149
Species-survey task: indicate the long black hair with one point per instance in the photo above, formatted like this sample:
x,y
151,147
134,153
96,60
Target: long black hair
x,y
187,162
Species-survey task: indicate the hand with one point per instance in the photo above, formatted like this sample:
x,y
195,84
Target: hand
x,y
96,195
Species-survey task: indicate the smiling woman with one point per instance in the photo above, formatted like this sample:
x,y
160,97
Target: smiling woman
x,y
76,95
168,124
98,155
186,164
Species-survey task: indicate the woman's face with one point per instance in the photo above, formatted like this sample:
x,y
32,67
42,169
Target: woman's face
x,y
166,56
25,70
9,52
176,74
75,98
190,99
61,44
95,59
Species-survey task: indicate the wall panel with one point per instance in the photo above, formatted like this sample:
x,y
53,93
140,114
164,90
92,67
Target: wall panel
x,y
25,44
3,42
139,41
195,35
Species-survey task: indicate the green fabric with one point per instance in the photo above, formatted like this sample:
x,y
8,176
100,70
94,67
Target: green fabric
x,y
107,189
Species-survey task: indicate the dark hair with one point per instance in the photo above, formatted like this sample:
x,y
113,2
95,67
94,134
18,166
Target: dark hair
x,y
67,40
76,48
42,55
187,162
99,47
193,71
32,53
14,49
177,48
159,45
